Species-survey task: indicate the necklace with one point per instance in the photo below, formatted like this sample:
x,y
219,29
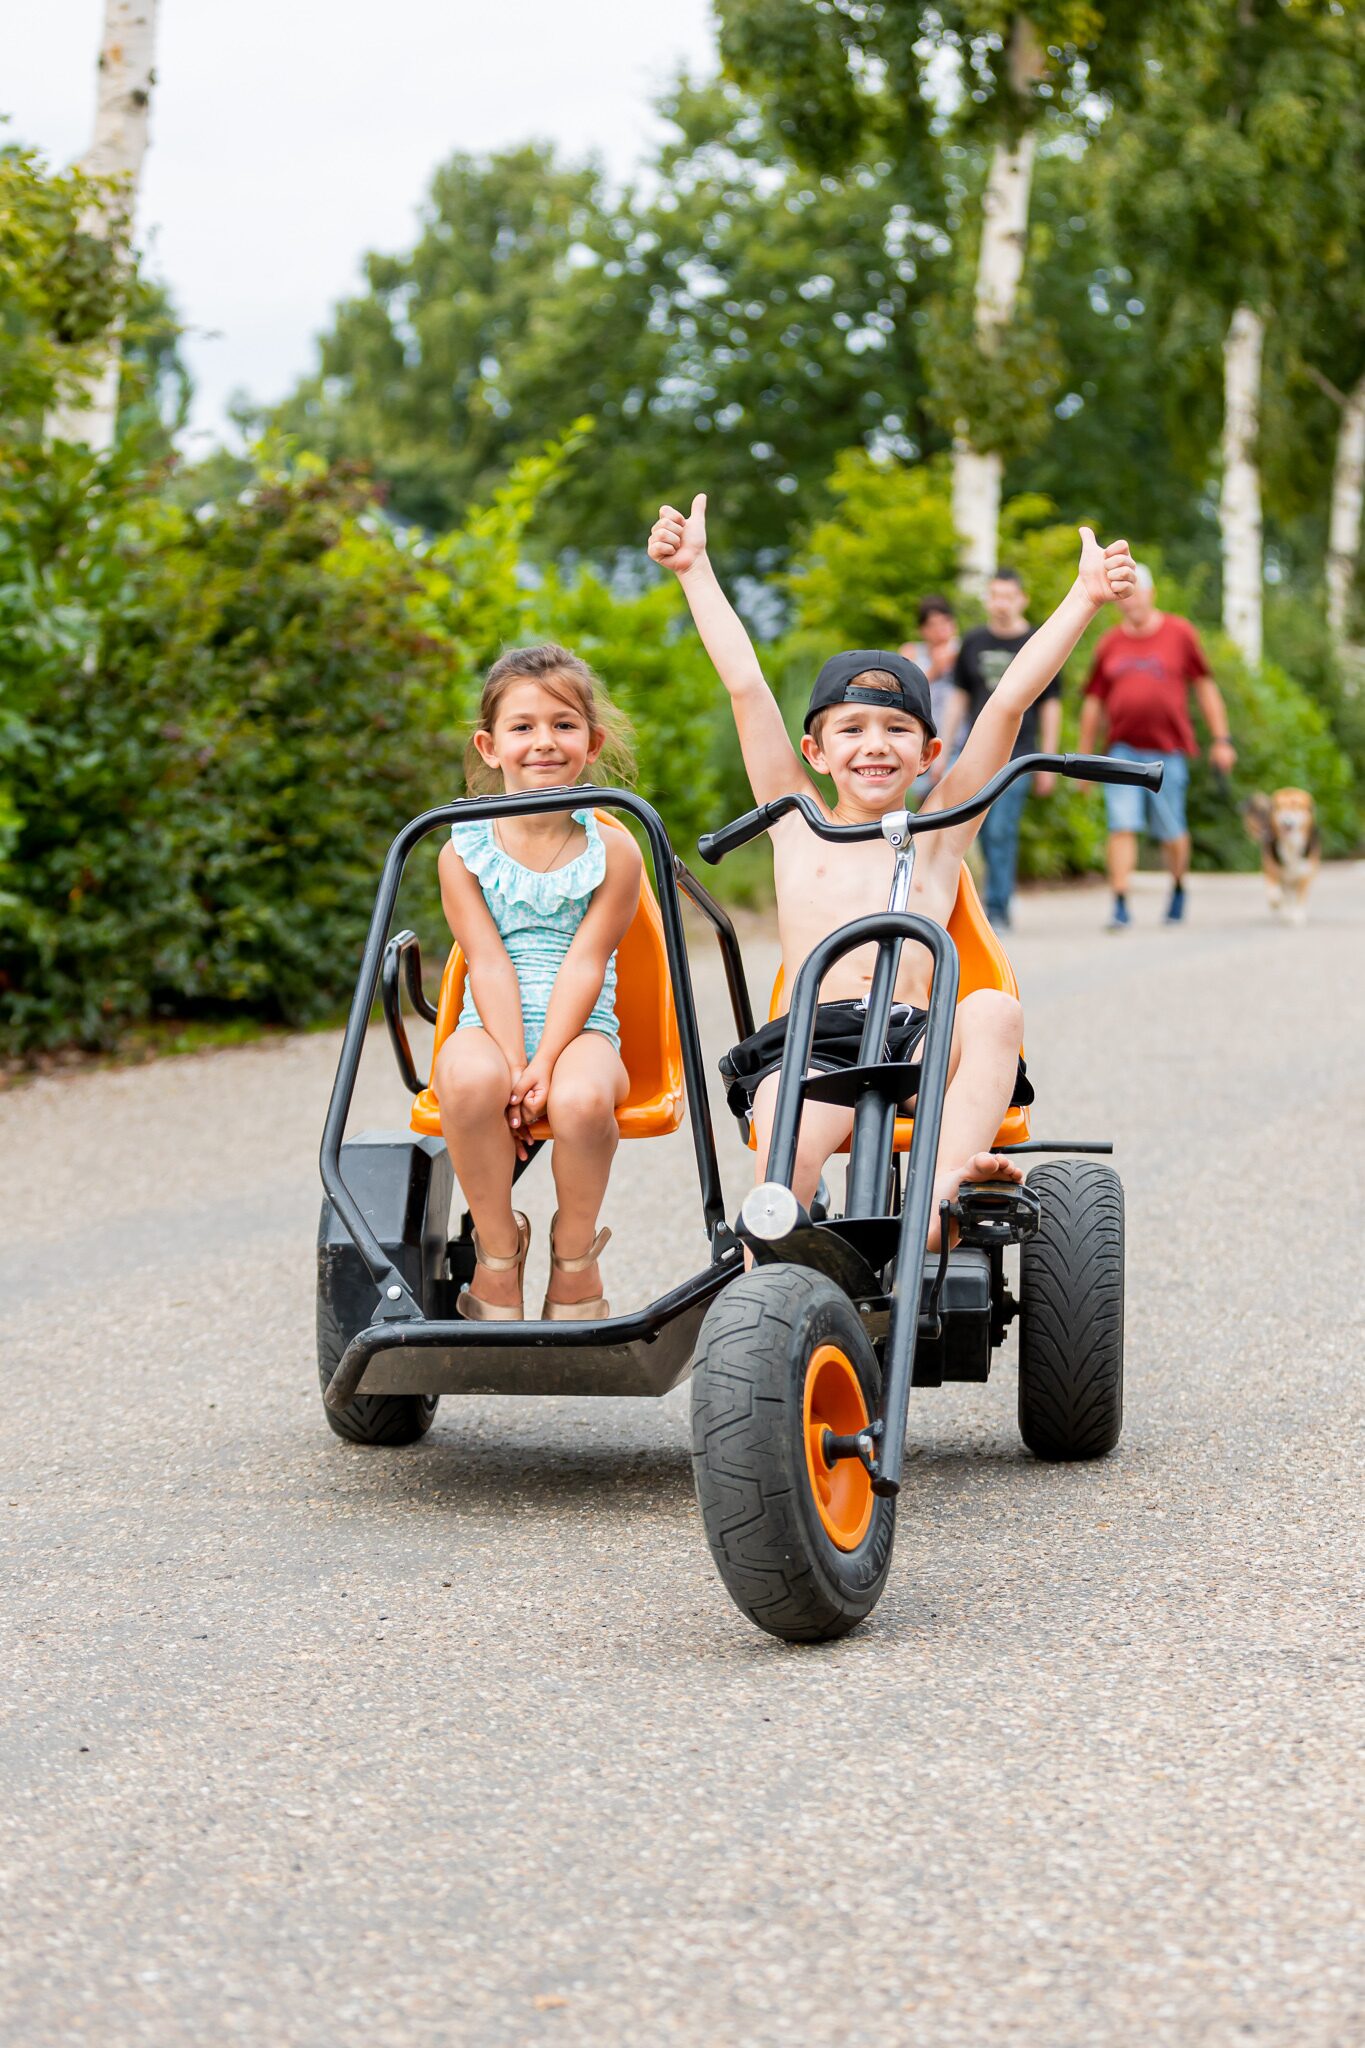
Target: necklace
x,y
554,858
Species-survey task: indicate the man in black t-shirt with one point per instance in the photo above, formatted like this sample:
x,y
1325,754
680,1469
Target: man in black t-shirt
x,y
986,652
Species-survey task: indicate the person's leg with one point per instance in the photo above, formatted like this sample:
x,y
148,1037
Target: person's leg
x,y
472,1081
1123,811
982,1065
587,1083
1000,844
1167,809
824,1127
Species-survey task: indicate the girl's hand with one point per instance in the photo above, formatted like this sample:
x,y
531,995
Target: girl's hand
x,y
677,542
530,1093
1105,574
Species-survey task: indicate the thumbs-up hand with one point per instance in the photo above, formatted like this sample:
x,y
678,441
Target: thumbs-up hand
x,y
677,542
1105,574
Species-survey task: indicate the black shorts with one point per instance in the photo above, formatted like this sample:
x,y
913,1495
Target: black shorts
x,y
835,1048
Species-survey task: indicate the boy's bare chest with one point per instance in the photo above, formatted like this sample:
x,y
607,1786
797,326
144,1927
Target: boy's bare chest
x,y
821,888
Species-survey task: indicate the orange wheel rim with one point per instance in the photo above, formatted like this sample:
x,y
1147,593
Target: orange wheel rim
x,y
842,1492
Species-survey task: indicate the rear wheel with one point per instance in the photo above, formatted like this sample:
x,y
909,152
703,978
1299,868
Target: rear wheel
x,y
369,1418
802,1545
1071,1313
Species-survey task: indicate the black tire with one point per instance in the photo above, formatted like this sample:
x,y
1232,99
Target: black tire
x,y
391,1419
763,1523
1071,1313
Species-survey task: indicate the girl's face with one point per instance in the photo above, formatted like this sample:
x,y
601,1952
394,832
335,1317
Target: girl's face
x,y
538,740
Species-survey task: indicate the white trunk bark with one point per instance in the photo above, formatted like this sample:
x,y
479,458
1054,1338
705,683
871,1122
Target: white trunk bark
x,y
1348,494
123,97
999,268
1240,509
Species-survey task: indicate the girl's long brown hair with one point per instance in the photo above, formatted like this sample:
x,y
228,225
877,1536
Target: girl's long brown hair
x,y
567,677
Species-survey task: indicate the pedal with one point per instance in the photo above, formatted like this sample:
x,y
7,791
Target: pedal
x,y
990,1213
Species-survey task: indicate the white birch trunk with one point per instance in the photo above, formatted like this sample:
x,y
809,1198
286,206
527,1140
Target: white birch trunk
x,y
999,267
1348,493
1240,508
123,97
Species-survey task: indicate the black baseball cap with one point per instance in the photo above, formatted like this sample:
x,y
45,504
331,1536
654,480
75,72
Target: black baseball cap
x,y
837,684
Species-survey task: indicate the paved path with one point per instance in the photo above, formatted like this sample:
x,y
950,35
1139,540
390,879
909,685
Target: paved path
x,y
312,1745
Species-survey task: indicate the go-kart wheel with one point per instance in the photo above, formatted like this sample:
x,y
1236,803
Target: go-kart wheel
x,y
803,1546
370,1418
1071,1313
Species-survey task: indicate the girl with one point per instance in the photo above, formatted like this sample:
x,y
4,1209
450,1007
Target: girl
x,y
539,906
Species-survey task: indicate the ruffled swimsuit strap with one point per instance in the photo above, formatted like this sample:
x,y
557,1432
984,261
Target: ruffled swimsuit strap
x,y
496,869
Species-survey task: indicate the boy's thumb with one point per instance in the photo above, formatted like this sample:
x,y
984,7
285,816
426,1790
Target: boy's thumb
x,y
1088,533
698,506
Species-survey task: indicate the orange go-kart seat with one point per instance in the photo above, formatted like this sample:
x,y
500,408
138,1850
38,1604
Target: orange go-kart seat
x,y
983,963
650,1045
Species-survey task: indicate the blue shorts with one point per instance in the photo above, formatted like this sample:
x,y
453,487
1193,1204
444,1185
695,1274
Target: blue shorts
x,y
1158,812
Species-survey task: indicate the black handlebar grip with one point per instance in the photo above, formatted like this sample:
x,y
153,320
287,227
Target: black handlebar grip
x,y
1099,768
713,846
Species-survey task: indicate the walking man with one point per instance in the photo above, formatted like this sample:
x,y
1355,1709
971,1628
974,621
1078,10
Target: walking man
x,y
985,654
1138,699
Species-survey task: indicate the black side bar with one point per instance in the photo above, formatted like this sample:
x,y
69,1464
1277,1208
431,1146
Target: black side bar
x,y
731,958
395,1301
403,962
875,1133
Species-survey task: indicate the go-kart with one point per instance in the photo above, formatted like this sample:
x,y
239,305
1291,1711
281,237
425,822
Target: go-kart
x,y
802,1364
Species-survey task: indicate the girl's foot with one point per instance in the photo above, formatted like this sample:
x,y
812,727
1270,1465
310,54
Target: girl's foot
x,y
495,1292
982,1166
575,1290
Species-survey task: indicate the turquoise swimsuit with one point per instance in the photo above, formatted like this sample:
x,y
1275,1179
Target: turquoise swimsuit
x,y
537,916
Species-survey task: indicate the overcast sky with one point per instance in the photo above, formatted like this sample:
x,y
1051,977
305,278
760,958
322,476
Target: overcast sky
x,y
289,137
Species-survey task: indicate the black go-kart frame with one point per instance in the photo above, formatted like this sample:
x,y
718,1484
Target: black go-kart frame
x,y
802,1366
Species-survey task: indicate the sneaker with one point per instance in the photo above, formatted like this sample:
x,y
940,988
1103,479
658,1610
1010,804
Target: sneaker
x,y
1119,917
1175,909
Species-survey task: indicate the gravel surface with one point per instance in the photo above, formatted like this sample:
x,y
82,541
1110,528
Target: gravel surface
x,y
465,1743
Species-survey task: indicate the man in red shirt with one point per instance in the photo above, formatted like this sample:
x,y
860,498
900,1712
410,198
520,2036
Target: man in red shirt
x,y
1139,689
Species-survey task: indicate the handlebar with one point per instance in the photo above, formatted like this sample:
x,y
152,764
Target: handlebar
x,y
713,846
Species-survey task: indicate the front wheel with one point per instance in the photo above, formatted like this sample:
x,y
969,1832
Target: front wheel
x,y
1071,1313
802,1545
389,1419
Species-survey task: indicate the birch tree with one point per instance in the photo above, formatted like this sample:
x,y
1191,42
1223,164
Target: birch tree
x,y
123,94
841,77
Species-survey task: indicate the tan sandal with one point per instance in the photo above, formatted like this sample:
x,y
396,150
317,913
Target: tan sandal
x,y
476,1311
574,1311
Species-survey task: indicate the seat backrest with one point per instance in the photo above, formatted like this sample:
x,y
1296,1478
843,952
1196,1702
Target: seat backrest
x,y
982,960
650,1046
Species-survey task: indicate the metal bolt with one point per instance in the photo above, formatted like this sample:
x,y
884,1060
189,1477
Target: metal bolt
x,y
394,1293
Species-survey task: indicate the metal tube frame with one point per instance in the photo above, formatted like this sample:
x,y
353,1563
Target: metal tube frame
x,y
396,1302
888,929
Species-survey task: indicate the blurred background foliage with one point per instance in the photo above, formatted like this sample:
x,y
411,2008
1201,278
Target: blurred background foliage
x,y
224,685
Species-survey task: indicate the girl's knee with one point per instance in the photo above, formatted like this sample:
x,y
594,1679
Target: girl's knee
x,y
470,1078
582,1108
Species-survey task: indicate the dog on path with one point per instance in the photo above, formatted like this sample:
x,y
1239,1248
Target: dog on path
x,y
1284,825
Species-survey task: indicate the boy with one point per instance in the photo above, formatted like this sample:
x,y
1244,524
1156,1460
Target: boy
x,y
871,730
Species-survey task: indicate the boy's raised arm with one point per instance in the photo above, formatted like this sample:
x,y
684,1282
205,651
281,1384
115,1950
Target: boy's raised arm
x,y
770,760
1103,576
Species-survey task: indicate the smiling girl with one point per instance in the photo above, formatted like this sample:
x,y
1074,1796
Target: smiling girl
x,y
539,905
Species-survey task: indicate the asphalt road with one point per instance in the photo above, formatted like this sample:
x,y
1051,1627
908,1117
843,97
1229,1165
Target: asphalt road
x,y
306,1744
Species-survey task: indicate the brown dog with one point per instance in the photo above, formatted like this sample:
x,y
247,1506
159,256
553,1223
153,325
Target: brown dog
x,y
1284,826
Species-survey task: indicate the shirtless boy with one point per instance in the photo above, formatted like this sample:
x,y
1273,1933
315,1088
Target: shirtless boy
x,y
870,729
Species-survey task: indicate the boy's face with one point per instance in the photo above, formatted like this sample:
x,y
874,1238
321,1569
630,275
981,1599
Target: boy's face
x,y
1006,605
872,755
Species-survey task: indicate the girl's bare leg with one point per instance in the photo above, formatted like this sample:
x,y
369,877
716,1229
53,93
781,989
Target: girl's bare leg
x,y
981,1069
587,1083
472,1082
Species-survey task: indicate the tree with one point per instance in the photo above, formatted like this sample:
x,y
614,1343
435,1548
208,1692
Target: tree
x,y
839,74
125,75
1219,178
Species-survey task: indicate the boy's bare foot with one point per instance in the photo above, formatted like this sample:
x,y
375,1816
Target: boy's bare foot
x,y
982,1166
